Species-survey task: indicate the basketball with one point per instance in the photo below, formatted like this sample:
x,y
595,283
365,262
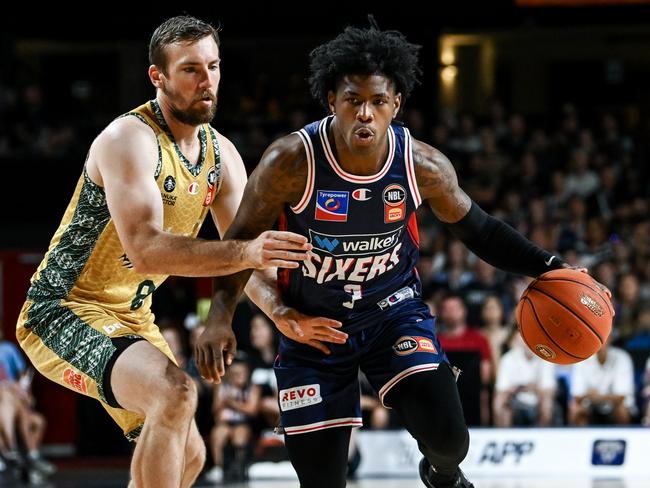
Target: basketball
x,y
564,316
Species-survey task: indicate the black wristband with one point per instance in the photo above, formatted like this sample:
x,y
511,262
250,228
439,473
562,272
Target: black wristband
x,y
502,246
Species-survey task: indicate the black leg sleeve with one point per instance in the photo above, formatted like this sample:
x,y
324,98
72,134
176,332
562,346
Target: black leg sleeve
x,y
429,406
320,458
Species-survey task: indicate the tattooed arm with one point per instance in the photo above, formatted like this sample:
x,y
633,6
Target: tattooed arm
x,y
279,179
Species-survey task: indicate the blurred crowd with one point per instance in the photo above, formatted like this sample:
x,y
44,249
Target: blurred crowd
x,y
575,181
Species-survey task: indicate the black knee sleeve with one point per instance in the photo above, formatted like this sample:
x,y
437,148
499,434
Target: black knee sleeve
x,y
429,406
320,458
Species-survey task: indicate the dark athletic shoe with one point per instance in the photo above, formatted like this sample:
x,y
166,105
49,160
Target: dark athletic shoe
x,y
426,475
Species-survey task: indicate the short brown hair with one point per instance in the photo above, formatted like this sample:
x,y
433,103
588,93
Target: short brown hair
x,y
176,29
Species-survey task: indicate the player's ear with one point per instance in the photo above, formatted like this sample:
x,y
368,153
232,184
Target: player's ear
x,y
398,104
155,75
331,100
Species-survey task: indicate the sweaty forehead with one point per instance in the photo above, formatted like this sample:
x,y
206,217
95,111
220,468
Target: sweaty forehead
x,y
366,84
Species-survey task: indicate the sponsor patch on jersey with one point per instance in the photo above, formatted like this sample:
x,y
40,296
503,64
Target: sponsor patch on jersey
x,y
168,199
212,176
394,197
170,184
209,196
355,244
300,397
362,194
332,206
193,189
74,379
406,345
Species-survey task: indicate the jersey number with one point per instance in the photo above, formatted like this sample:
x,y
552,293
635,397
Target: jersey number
x,y
145,289
355,294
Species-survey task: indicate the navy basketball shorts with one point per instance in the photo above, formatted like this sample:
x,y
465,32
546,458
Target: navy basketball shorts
x,y
319,391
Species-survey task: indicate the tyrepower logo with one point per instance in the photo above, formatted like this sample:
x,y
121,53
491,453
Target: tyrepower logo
x,y
299,397
75,380
355,244
332,205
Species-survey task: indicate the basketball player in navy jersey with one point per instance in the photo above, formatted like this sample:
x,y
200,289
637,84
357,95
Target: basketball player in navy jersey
x,y
351,184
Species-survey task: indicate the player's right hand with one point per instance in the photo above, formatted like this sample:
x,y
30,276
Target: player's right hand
x,y
313,331
276,249
215,349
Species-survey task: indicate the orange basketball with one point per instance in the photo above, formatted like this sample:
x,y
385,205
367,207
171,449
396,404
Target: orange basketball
x,y
564,317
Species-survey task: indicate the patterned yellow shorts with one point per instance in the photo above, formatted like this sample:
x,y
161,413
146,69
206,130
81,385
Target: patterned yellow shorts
x,y
72,344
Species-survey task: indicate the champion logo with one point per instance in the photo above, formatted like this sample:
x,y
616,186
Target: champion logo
x,y
193,189
362,194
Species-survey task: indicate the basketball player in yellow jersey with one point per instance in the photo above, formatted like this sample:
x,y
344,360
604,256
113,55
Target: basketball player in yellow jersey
x,y
149,180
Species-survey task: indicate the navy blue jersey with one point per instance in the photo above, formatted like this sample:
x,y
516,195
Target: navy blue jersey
x,y
363,230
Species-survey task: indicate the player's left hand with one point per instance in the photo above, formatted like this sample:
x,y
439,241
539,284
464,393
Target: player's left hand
x,y
313,331
215,349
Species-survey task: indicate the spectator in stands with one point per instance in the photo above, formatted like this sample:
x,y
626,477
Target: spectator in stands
x,y
17,415
525,387
582,180
485,282
264,341
645,395
628,303
235,404
458,339
494,327
602,388
456,273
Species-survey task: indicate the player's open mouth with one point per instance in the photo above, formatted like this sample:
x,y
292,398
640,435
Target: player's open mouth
x,y
364,135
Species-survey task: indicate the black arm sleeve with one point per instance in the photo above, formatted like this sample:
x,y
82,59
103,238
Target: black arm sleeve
x,y
502,246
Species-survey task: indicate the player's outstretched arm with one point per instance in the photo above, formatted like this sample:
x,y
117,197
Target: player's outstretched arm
x,y
278,179
491,239
122,160
314,331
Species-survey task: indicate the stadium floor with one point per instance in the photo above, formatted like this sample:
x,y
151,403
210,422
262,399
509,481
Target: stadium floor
x,y
114,478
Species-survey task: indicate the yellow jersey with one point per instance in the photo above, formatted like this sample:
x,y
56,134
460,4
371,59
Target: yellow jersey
x,y
86,262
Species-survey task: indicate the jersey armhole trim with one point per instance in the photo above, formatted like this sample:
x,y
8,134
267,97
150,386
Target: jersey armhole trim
x,y
410,169
142,119
309,186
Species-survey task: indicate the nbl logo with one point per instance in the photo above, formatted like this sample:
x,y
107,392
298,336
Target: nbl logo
x,y
394,197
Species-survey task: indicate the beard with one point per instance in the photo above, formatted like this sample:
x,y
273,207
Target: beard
x,y
192,115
